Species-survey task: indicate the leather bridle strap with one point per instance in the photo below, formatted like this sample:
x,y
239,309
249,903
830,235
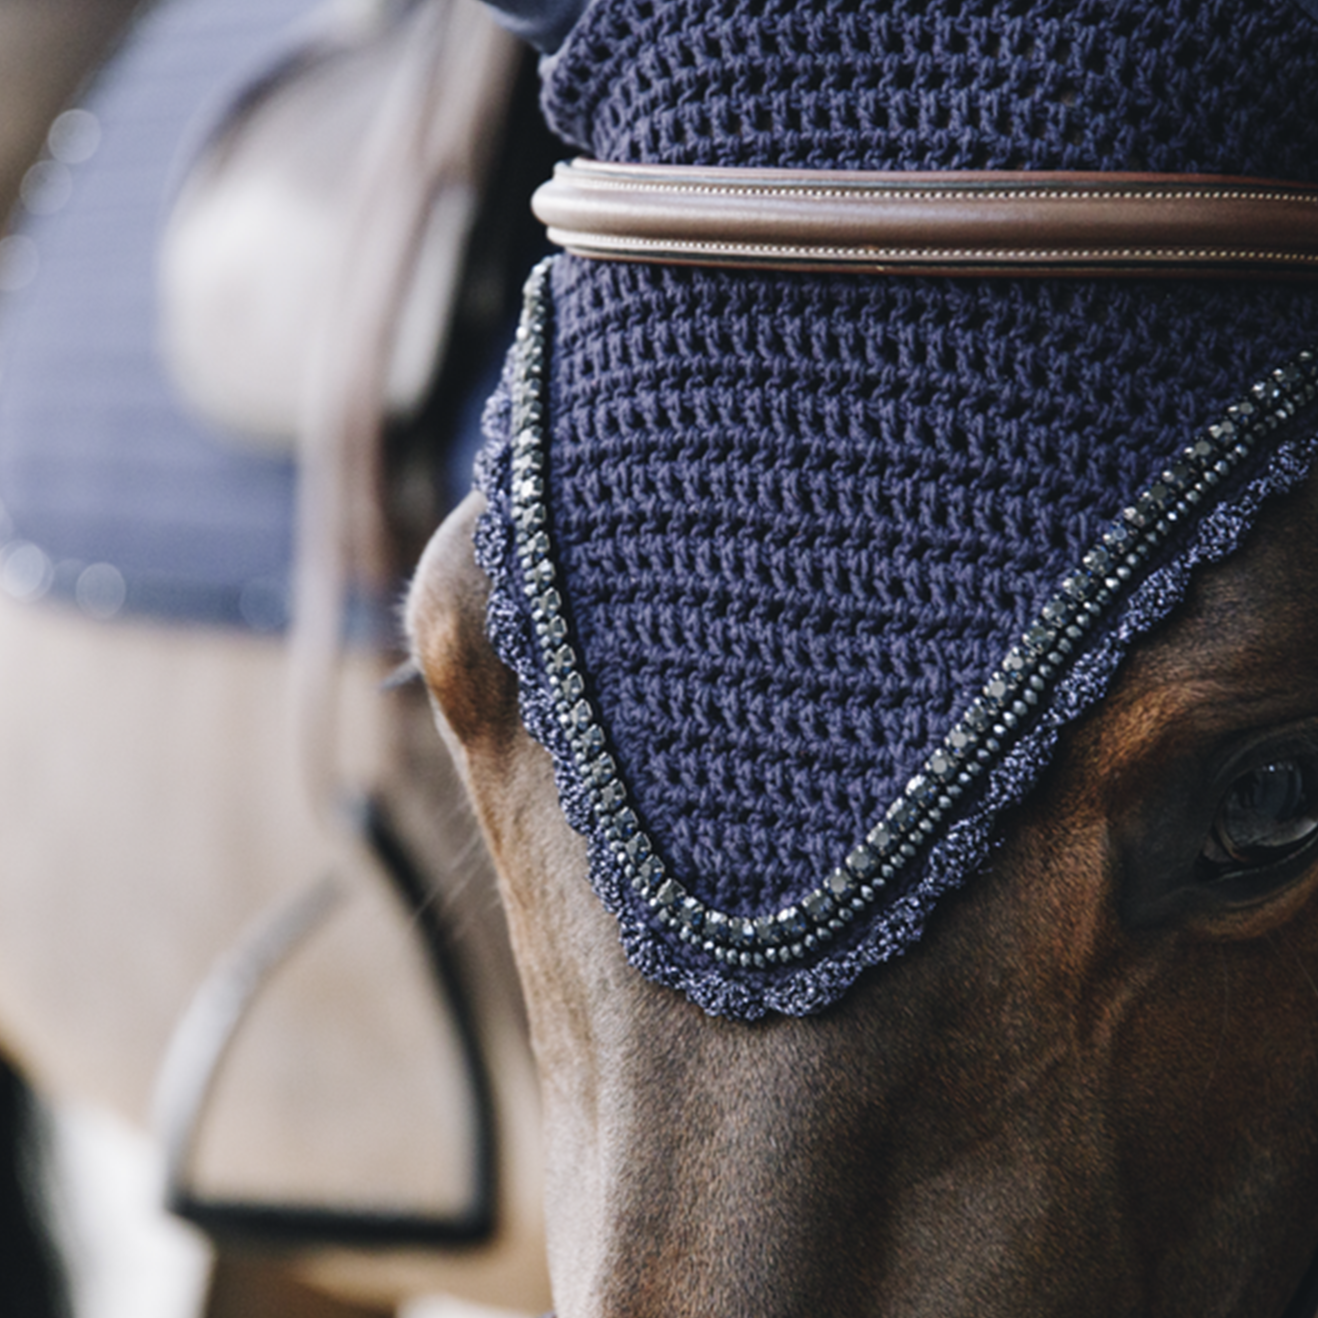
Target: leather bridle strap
x,y
955,223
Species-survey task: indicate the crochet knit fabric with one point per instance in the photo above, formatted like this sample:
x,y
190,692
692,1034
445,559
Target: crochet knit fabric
x,y
800,521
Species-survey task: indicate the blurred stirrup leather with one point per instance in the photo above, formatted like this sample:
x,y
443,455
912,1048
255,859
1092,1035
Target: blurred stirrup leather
x,y
242,900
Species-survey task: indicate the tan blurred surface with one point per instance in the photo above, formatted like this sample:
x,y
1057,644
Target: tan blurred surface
x,y
47,49
255,1287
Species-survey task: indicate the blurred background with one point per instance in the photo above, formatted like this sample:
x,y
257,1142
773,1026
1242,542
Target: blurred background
x,y
47,50
258,265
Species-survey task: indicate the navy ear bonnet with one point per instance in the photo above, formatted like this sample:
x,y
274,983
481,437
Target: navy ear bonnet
x,y
802,575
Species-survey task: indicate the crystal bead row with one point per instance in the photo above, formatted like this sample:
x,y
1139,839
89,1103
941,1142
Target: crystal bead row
x,y
992,723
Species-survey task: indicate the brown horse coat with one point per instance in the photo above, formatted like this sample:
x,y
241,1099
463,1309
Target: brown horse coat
x,y
1088,1091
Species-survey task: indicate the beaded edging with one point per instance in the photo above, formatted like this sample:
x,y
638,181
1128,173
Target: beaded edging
x,y
996,741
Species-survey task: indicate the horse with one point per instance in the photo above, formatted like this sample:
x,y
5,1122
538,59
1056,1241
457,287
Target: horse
x,y
1087,1087
991,1125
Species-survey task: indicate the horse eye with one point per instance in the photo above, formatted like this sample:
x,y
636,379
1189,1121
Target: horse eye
x,y
1266,814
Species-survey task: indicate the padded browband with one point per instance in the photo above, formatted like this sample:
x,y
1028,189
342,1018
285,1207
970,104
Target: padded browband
x,y
957,223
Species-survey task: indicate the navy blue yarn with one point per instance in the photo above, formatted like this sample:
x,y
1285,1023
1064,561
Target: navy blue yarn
x,y
962,850
800,519
1213,86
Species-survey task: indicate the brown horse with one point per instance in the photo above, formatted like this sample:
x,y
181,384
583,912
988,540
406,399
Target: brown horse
x,y
1088,1091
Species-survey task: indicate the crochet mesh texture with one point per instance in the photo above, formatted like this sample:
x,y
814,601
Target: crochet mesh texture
x,y
1222,87
800,533
799,518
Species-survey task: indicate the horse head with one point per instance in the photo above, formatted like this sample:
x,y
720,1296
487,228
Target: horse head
x,y
1042,1040
1087,1090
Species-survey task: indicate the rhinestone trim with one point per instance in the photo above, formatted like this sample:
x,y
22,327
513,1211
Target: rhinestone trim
x,y
994,721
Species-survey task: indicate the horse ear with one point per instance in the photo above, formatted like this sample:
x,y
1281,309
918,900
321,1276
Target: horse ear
x,y
474,691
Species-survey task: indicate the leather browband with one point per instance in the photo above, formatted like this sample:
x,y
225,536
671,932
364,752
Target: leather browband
x,y
959,223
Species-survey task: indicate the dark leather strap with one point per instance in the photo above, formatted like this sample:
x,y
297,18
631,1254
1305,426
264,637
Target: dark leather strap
x,y
960,223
